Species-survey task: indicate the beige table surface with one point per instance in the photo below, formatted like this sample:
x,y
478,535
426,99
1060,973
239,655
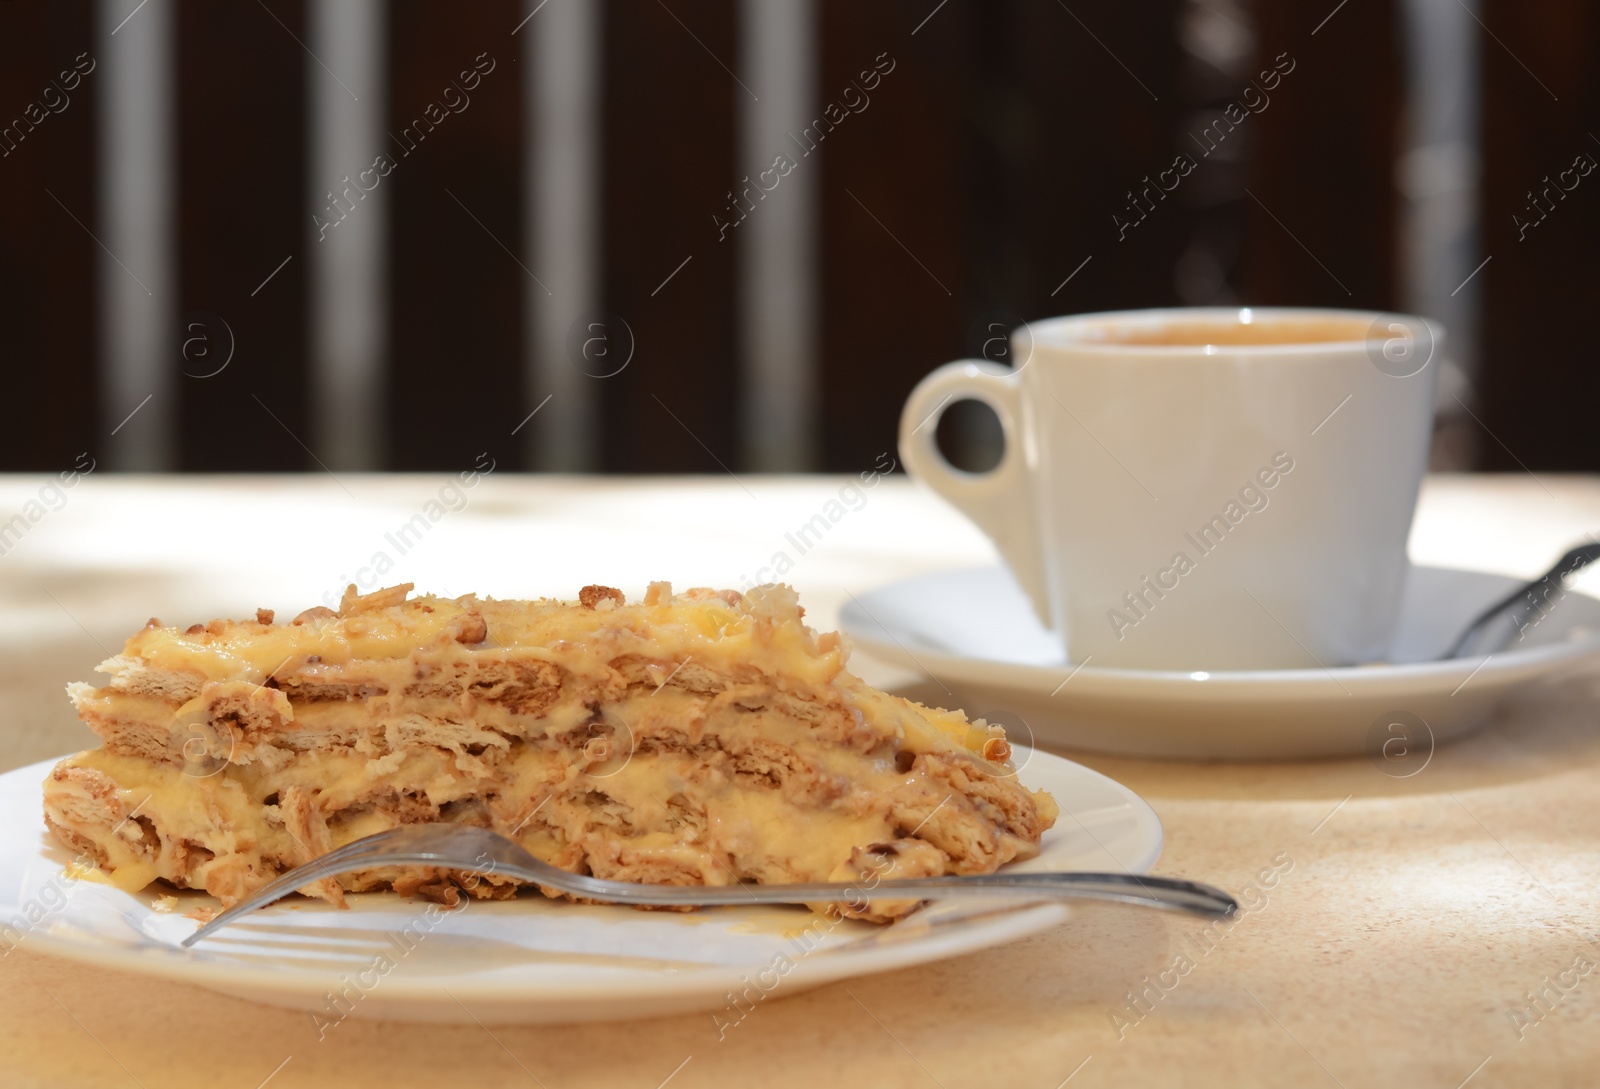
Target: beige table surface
x,y
1409,920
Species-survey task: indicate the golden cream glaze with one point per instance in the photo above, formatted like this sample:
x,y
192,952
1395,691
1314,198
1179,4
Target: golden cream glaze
x,y
765,631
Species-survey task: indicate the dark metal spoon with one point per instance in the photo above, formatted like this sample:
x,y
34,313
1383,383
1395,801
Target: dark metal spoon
x,y
1525,601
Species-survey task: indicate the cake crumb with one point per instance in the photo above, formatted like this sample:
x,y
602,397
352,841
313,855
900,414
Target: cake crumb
x,y
470,628
590,597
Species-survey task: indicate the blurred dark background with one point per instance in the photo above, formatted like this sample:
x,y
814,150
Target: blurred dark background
x,y
696,235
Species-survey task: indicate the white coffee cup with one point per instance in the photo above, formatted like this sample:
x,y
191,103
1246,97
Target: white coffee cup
x,y
1200,489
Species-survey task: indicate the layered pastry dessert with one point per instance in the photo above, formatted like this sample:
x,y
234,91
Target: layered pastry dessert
x,y
700,738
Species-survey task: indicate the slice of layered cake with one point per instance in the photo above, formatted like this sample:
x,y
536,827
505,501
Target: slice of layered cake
x,y
702,738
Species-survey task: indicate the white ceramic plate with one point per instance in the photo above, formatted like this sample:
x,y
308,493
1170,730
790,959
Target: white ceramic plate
x,y
531,959
974,632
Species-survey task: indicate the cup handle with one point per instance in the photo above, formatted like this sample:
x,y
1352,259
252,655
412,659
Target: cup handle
x,y
1000,500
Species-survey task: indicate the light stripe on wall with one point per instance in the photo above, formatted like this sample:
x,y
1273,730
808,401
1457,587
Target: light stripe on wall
x,y
348,289
561,73
777,303
1439,170
134,225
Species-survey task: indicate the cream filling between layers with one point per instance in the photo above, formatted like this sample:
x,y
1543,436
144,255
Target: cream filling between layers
x,y
402,755
754,826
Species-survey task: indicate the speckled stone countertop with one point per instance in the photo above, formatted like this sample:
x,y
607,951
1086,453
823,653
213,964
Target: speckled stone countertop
x,y
1437,930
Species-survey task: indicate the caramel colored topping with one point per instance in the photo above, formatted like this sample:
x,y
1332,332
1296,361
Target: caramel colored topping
x,y
386,598
470,628
997,750
591,596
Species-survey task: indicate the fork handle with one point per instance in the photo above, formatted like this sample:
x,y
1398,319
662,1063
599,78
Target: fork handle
x,y
1145,890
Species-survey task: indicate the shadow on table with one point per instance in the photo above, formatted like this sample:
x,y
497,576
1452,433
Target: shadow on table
x,y
1549,729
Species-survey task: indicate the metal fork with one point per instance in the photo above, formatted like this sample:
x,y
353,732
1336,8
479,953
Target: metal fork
x,y
464,847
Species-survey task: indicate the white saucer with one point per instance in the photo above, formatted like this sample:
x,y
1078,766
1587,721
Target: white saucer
x,y
532,959
975,634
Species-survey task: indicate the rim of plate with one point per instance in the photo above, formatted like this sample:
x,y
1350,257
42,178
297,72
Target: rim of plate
x,y
976,933
965,935
1376,679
